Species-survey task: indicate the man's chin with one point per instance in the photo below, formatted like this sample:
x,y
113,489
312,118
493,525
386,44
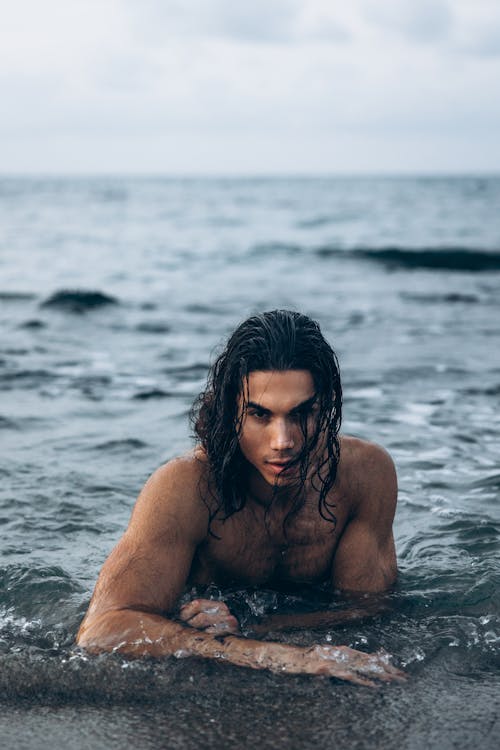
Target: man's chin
x,y
284,478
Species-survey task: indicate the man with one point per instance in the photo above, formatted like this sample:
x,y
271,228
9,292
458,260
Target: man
x,y
272,495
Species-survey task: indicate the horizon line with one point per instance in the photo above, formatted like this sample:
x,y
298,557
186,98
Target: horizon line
x,y
278,175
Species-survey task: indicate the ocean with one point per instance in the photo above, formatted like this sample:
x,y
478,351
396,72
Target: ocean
x,y
115,296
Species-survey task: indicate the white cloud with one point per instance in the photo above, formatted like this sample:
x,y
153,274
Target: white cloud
x,y
262,21
298,82
420,21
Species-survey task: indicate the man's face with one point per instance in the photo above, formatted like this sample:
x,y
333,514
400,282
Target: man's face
x,y
278,404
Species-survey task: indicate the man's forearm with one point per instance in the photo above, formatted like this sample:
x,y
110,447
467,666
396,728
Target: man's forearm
x,y
137,634
362,610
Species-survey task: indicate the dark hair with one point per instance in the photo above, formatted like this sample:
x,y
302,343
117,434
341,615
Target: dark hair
x,y
276,340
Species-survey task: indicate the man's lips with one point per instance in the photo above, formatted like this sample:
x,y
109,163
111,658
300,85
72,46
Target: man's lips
x,y
278,465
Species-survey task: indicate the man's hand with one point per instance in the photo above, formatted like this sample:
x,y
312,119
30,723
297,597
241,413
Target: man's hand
x,y
341,662
209,615
345,663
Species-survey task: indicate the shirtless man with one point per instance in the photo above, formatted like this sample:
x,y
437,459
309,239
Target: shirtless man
x,y
271,495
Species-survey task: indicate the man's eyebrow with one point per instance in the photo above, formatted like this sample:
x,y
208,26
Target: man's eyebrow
x,y
255,405
299,407
306,404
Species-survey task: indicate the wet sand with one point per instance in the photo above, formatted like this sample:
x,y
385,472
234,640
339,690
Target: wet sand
x,y
436,708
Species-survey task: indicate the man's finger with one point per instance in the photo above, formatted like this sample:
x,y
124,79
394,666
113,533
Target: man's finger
x,y
357,679
229,625
208,606
204,620
379,667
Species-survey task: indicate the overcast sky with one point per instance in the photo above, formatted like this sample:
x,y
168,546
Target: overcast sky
x,y
245,87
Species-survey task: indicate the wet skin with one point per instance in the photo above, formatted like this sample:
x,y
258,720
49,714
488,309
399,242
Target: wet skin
x,y
253,547
167,543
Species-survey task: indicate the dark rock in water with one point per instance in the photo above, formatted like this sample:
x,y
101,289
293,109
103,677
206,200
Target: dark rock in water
x,y
153,393
153,327
34,324
413,258
437,258
122,445
78,300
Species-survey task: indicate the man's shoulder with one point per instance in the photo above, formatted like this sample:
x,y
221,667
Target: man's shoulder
x,y
370,473
177,489
183,471
358,453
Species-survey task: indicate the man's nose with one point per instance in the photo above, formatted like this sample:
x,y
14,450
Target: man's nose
x,y
281,436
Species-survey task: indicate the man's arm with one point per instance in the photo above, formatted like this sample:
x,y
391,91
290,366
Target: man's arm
x,y
365,560
359,611
146,572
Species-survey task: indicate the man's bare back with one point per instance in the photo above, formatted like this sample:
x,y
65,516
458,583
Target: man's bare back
x,y
179,535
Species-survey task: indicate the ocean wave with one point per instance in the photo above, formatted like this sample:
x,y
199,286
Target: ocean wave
x,y
199,309
437,258
490,482
471,639
33,590
126,444
33,324
115,194
155,327
16,296
196,370
317,221
8,424
438,299
273,248
25,379
493,390
78,300
92,387
152,393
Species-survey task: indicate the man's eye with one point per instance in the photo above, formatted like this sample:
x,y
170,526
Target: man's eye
x,y
258,414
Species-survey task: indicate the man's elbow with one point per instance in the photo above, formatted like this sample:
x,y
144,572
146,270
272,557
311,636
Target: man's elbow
x,y
389,564
130,632
376,579
389,577
100,633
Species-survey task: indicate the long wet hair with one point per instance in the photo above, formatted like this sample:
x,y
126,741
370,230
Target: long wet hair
x,y
277,340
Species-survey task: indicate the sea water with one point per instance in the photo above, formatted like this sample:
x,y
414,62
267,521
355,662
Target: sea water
x,y
115,296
